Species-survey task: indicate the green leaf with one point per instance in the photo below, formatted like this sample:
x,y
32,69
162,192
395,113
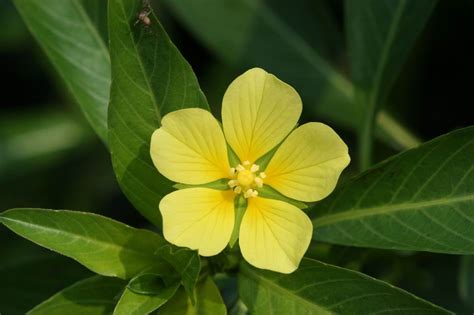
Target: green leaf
x,y
133,303
185,261
380,35
239,309
95,295
319,288
302,37
208,301
150,79
421,199
105,246
466,280
75,48
150,283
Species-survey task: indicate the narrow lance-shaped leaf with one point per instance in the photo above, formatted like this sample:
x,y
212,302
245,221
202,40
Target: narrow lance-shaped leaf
x,y
380,35
208,301
131,303
241,32
149,283
93,296
421,199
75,48
185,261
319,288
150,79
105,246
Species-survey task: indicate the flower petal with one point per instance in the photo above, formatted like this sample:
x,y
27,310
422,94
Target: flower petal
x,y
198,218
190,147
307,165
274,235
258,112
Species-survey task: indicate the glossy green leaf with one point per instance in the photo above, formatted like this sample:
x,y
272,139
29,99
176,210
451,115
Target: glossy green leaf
x,y
74,46
239,309
319,288
105,246
151,78
132,303
380,35
466,280
92,296
421,199
185,261
302,37
208,301
151,283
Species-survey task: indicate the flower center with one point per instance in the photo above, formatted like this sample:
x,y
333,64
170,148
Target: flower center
x,y
244,179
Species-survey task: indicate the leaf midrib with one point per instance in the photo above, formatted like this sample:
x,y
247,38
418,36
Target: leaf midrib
x,y
388,209
251,275
140,61
78,236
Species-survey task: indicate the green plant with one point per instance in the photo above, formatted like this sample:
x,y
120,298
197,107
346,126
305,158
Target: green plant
x,y
420,200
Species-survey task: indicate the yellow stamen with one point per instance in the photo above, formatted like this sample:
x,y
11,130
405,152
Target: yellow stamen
x,y
250,193
254,168
232,183
243,178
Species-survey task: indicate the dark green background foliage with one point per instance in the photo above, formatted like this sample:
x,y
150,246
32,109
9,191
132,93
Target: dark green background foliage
x,y
85,86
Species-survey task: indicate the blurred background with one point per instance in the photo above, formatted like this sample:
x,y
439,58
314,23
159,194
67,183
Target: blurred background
x,y
50,157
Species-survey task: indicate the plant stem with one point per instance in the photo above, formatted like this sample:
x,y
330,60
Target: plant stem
x,y
394,132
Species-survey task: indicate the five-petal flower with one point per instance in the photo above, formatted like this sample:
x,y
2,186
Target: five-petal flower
x,y
258,113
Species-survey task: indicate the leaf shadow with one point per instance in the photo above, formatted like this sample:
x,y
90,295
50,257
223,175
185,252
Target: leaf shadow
x,y
157,186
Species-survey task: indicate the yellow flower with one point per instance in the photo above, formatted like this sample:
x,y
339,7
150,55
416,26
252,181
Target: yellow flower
x,y
258,113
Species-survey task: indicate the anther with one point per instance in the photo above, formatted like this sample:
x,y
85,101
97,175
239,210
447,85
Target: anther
x,y
250,193
244,179
232,183
254,168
